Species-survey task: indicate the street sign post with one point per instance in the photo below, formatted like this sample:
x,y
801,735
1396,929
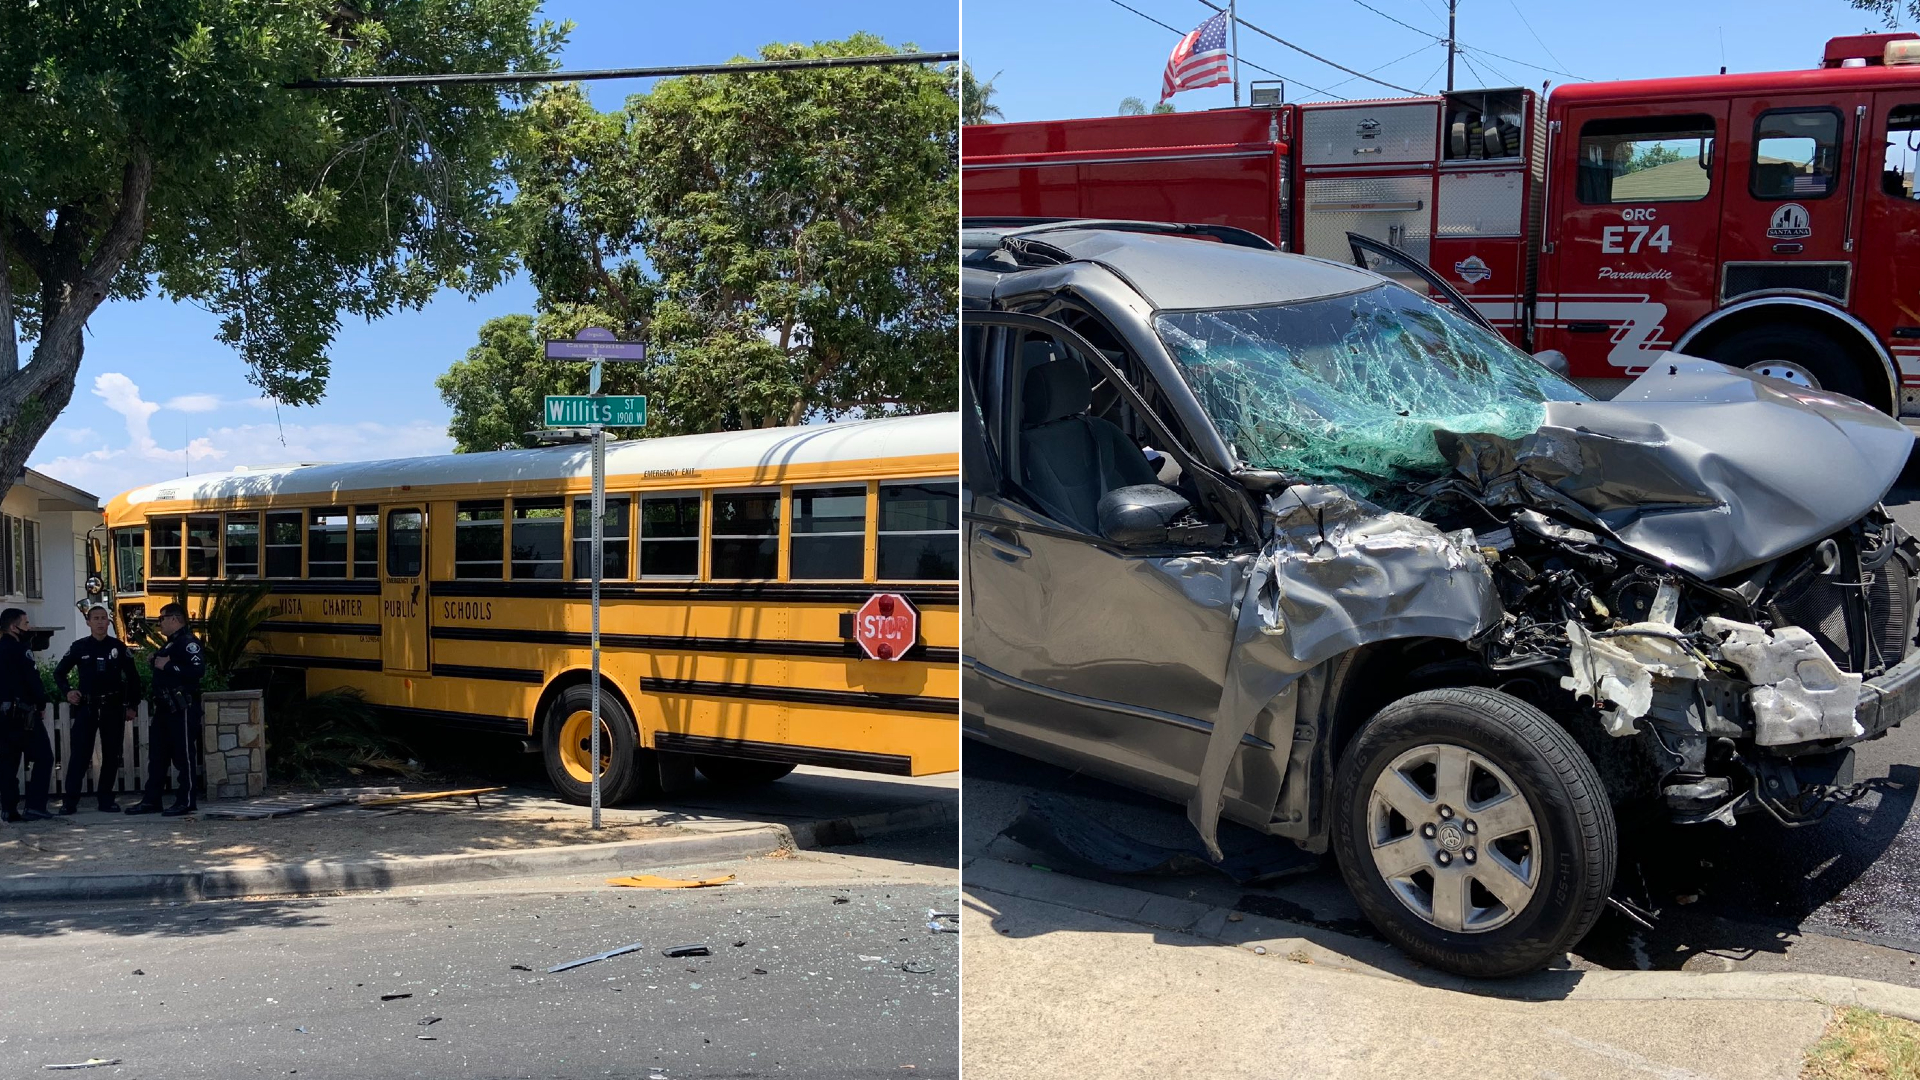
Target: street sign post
x,y
597,412
886,626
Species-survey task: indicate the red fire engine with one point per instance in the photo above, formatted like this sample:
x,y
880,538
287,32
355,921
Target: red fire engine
x,y
1764,220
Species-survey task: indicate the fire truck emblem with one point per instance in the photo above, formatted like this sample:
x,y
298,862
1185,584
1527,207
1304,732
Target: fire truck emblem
x,y
1790,222
1368,128
1472,270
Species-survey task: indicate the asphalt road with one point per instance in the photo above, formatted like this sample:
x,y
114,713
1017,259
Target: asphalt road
x,y
822,966
1839,897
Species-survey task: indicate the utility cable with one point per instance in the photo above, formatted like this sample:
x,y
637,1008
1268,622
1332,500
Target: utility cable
x,y
1389,63
1462,46
1271,36
1536,34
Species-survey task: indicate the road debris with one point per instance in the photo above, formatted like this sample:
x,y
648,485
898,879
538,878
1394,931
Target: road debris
x,y
610,953
915,967
686,950
429,796
759,971
937,922
303,1031
274,806
394,997
429,1021
90,1063
519,967
739,944
428,1038
841,900
138,971
651,881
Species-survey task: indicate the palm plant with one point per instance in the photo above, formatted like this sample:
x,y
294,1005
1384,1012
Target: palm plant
x,y
316,738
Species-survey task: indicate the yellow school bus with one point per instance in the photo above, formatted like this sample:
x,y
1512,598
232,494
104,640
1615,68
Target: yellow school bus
x,y
454,590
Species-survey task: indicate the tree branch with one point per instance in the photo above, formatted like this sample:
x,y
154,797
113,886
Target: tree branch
x,y
88,289
9,335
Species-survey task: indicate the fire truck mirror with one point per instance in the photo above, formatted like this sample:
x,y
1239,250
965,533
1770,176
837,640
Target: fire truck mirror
x,y
1555,361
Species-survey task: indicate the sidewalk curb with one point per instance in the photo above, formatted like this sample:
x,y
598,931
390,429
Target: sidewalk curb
x,y
331,878
1299,943
838,832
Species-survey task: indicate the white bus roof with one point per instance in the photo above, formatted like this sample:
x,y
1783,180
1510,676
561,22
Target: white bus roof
x,y
855,440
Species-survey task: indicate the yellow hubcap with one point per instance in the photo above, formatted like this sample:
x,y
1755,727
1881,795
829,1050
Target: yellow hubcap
x,y
576,746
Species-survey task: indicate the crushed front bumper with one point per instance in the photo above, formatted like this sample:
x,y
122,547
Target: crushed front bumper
x,y
1889,699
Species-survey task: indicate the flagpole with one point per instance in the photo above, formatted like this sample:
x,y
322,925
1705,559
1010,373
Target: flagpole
x,y
1233,49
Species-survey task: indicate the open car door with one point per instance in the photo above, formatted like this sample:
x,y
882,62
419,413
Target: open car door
x,y
1369,254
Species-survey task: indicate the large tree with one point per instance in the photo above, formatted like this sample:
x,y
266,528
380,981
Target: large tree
x,y
786,243
1891,10
152,146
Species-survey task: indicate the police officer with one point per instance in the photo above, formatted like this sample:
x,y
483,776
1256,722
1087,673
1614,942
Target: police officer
x,y
107,697
22,731
177,667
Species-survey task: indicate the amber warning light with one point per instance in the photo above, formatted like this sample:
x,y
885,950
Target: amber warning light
x,y
886,626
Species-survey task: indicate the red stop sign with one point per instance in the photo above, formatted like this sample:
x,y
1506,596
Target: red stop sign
x,y
886,626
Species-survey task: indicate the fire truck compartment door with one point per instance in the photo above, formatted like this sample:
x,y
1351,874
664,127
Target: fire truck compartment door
x,y
1373,134
1395,210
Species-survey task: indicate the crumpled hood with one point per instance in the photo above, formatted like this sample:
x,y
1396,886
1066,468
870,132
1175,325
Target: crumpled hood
x,y
1709,468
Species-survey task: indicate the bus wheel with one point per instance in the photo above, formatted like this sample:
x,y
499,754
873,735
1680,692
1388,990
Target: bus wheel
x,y
738,772
1794,354
566,742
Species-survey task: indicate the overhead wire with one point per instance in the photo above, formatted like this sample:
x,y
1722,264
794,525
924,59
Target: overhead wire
x,y
1248,63
1389,63
1437,69
1271,36
1536,34
1463,47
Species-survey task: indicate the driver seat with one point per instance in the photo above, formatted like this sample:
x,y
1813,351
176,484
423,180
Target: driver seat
x,y
1069,459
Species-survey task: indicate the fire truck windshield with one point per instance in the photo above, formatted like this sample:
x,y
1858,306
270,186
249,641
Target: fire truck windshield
x,y
1350,389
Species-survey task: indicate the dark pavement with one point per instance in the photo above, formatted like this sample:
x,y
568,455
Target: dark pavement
x,y
1839,897
854,985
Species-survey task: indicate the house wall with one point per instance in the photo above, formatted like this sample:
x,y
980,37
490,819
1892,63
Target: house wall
x,y
62,566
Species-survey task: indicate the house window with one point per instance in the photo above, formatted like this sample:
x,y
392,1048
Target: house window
x,y
539,537
130,560
746,535
327,543
243,545
920,531
1645,159
670,536
33,559
283,544
613,537
366,541
167,534
478,546
829,536
203,545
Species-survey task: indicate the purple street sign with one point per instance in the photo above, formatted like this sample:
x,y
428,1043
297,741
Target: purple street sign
x,y
593,343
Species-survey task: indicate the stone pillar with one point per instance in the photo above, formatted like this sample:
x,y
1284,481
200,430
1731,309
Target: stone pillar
x,y
234,730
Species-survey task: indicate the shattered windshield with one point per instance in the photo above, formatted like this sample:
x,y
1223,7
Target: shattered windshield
x,y
1350,389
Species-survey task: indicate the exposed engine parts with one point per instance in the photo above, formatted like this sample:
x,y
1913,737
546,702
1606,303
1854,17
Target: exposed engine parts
x,y
1747,688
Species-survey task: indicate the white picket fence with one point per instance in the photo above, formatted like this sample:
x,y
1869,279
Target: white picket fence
x,y
133,762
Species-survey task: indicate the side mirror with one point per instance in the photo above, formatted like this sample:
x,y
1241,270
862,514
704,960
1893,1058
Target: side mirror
x,y
1555,361
1141,514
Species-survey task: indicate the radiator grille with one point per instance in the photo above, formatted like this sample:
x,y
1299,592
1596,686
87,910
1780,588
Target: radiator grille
x,y
1831,280
1818,604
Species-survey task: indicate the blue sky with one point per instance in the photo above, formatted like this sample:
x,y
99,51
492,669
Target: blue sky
x,y
155,385
1061,58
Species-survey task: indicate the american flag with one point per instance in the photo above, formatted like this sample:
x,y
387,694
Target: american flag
x,y
1199,60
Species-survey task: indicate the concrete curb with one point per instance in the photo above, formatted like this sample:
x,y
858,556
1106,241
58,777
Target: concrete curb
x,y
837,832
330,878
1284,941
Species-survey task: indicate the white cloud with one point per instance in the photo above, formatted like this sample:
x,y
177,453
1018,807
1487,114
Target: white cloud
x,y
107,471
193,403
81,436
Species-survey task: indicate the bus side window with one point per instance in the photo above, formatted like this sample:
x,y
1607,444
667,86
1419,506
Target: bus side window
x,y
366,541
829,533
613,537
920,530
404,548
670,536
283,544
168,533
243,545
746,535
479,549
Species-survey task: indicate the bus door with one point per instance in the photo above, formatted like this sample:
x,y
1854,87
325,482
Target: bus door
x,y
1786,222
403,591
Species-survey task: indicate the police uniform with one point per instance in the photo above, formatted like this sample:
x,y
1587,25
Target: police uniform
x,y
176,711
22,732
109,686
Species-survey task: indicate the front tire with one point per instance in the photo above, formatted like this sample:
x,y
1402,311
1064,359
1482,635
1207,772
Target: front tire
x,y
565,742
1794,354
1473,832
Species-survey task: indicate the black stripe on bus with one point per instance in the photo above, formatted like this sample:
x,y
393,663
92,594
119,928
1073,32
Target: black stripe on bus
x,y
288,626
798,695
343,663
160,588
792,592
471,671
681,643
447,718
891,764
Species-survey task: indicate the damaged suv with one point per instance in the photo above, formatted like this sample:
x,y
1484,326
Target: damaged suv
x,y
1312,547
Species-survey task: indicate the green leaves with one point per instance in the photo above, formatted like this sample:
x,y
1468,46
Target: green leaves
x,y
785,242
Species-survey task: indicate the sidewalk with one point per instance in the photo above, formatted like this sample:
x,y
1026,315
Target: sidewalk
x,y
510,833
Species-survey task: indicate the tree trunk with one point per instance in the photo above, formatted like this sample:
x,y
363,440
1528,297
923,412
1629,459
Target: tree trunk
x,y
32,398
